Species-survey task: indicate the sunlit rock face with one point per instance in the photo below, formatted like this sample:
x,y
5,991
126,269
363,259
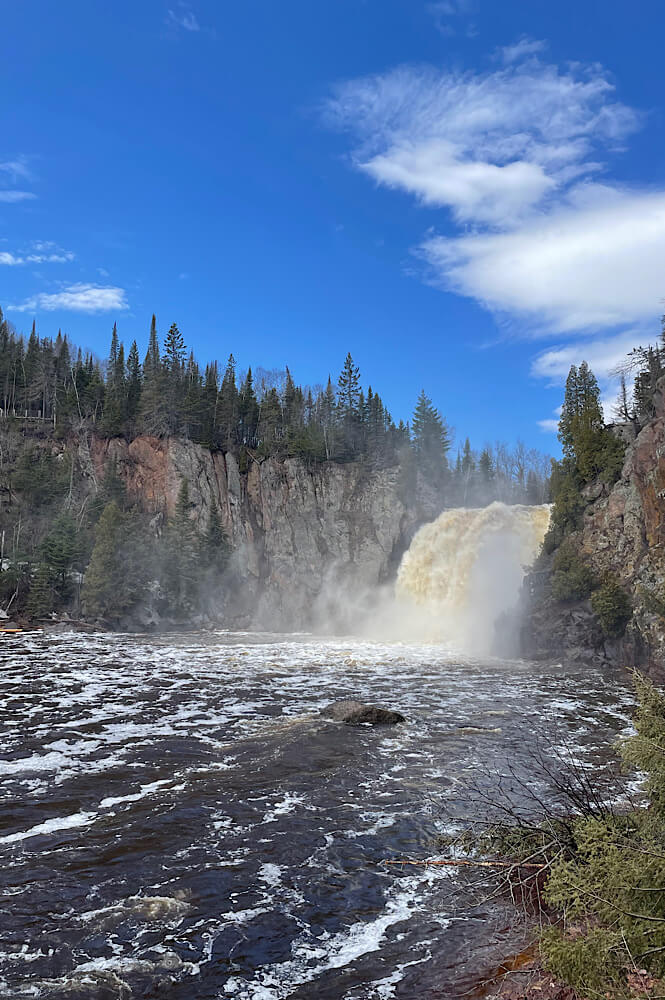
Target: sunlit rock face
x,y
310,543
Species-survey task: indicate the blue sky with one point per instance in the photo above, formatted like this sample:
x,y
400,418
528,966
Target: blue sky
x,y
469,195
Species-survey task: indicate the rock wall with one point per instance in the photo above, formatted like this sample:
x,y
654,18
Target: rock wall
x,y
623,533
307,541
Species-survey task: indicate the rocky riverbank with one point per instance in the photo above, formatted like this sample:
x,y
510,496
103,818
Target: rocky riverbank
x,y
622,536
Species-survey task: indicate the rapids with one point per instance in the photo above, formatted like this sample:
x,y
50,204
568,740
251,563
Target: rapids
x,y
179,823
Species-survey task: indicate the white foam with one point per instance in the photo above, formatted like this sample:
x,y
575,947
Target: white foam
x,y
51,826
37,762
287,805
111,801
271,874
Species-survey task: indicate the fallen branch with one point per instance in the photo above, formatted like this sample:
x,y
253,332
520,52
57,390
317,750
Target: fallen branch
x,y
474,864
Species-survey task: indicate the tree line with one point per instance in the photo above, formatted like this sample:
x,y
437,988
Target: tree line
x,y
259,412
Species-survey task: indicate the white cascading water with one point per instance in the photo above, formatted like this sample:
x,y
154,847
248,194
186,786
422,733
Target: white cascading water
x,y
465,569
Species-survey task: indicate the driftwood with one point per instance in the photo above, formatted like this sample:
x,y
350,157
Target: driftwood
x,y
473,864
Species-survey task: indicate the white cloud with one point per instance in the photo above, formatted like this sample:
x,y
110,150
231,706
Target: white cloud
x,y
532,234
520,50
550,425
445,11
603,354
40,252
11,197
512,153
16,169
183,18
592,261
475,190
77,298
490,146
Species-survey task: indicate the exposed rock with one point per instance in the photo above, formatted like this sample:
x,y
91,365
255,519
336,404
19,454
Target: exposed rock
x,y
355,713
309,540
623,533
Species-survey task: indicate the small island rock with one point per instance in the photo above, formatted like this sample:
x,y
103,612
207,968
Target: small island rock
x,y
355,713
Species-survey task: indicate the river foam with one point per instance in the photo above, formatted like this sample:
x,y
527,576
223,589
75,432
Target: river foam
x,y
182,796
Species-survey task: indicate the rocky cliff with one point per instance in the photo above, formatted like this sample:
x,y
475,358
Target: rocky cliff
x,y
308,542
623,533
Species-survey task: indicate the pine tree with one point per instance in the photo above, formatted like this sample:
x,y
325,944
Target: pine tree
x,y
181,571
115,397
569,414
152,364
41,599
116,576
209,406
329,419
173,369
134,381
228,406
173,359
60,551
248,411
112,489
581,425
431,437
153,409
348,405
216,544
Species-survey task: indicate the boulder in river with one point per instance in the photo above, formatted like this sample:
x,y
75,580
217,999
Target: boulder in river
x,y
355,713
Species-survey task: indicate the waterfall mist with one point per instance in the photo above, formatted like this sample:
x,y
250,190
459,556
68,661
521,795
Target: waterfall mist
x,y
461,573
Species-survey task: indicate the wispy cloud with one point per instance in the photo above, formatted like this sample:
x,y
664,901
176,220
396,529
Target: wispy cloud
x,y
77,298
182,17
491,147
12,197
450,15
515,156
16,169
12,171
520,50
603,354
40,252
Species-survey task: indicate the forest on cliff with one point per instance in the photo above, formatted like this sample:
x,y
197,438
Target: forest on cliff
x,y
60,521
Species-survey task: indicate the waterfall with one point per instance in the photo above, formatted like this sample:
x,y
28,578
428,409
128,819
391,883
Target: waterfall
x,y
465,569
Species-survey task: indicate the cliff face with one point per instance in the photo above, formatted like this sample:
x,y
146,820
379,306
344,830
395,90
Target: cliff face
x,y
307,541
623,533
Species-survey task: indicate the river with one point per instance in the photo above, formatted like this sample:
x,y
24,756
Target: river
x,y
179,822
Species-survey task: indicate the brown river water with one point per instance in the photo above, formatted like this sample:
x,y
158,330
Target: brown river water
x,y
179,822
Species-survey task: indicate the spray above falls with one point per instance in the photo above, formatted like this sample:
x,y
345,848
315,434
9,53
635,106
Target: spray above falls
x,y
464,570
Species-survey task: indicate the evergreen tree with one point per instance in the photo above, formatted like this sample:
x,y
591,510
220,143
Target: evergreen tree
x,y
111,490
228,406
216,544
134,382
41,599
116,576
348,406
60,551
248,412
181,566
431,437
581,425
115,397
153,409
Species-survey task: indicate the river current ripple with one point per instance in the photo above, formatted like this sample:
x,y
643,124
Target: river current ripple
x,y
179,822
